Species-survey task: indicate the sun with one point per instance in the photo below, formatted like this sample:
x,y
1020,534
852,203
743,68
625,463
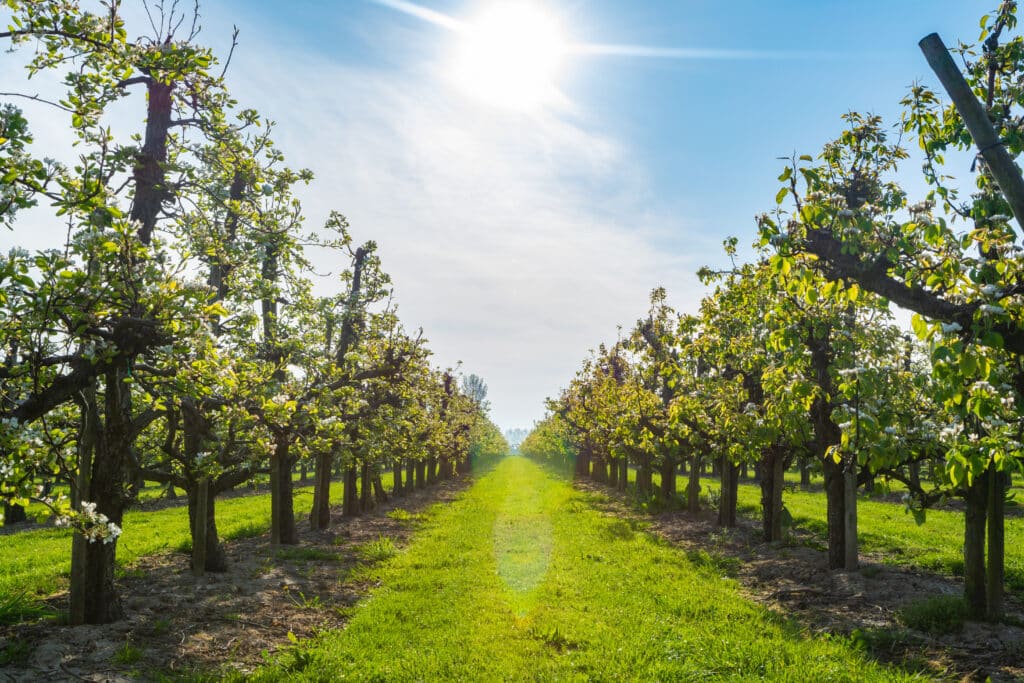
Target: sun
x,y
510,55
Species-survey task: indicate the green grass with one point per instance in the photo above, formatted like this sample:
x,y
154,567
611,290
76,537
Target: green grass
x,y
885,527
38,562
524,578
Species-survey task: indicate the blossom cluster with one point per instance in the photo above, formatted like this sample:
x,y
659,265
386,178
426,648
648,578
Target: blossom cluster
x,y
95,526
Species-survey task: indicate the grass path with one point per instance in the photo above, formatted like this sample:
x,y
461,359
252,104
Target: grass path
x,y
524,578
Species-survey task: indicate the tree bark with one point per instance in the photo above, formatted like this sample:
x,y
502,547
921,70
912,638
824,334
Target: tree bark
x,y
102,604
730,491
995,574
644,476
835,498
613,474
282,504
772,466
350,502
365,489
668,479
379,494
693,485
397,488
623,474
975,512
421,474
320,514
214,559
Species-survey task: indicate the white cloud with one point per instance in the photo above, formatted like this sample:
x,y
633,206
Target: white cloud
x,y
516,241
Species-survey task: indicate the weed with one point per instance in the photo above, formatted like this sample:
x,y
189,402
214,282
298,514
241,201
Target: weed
x,y
161,626
376,551
870,571
403,515
128,654
553,637
938,615
20,607
716,564
302,602
879,641
250,530
15,653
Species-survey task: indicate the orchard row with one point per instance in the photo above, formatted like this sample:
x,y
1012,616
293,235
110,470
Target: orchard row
x,y
176,333
794,357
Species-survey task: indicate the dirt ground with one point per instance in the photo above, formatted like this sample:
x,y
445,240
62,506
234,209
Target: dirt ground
x,y
177,623
793,578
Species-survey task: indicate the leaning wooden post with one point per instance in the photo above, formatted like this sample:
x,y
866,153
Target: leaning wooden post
x,y
1004,169
201,520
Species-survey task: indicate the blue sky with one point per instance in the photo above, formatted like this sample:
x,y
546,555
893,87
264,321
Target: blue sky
x,y
518,240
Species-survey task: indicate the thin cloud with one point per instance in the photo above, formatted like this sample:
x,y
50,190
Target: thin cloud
x,y
424,13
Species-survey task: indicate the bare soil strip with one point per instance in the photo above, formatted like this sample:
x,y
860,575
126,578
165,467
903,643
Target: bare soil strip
x,y
177,623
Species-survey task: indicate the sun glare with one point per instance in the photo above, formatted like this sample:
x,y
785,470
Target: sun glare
x,y
509,56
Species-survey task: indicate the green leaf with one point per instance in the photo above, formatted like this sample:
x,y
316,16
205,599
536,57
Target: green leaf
x,y
781,195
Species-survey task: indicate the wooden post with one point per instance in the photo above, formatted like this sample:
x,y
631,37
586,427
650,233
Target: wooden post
x,y
850,561
1004,170
275,499
201,520
79,492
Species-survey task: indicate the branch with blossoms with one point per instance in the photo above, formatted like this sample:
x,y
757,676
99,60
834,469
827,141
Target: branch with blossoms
x,y
94,526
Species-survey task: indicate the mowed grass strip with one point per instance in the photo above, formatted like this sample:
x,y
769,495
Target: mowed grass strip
x,y
524,578
39,562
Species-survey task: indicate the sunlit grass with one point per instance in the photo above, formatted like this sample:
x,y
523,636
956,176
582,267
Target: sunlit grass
x,y
38,562
484,594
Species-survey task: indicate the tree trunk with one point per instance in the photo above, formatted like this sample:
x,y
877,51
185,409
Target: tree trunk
x,y
914,474
582,463
421,474
214,559
599,469
730,491
668,479
623,474
613,474
975,511
365,489
835,497
396,474
805,474
644,477
107,490
379,494
410,475
773,470
282,508
996,544
350,503
14,514
693,486
431,469
320,514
